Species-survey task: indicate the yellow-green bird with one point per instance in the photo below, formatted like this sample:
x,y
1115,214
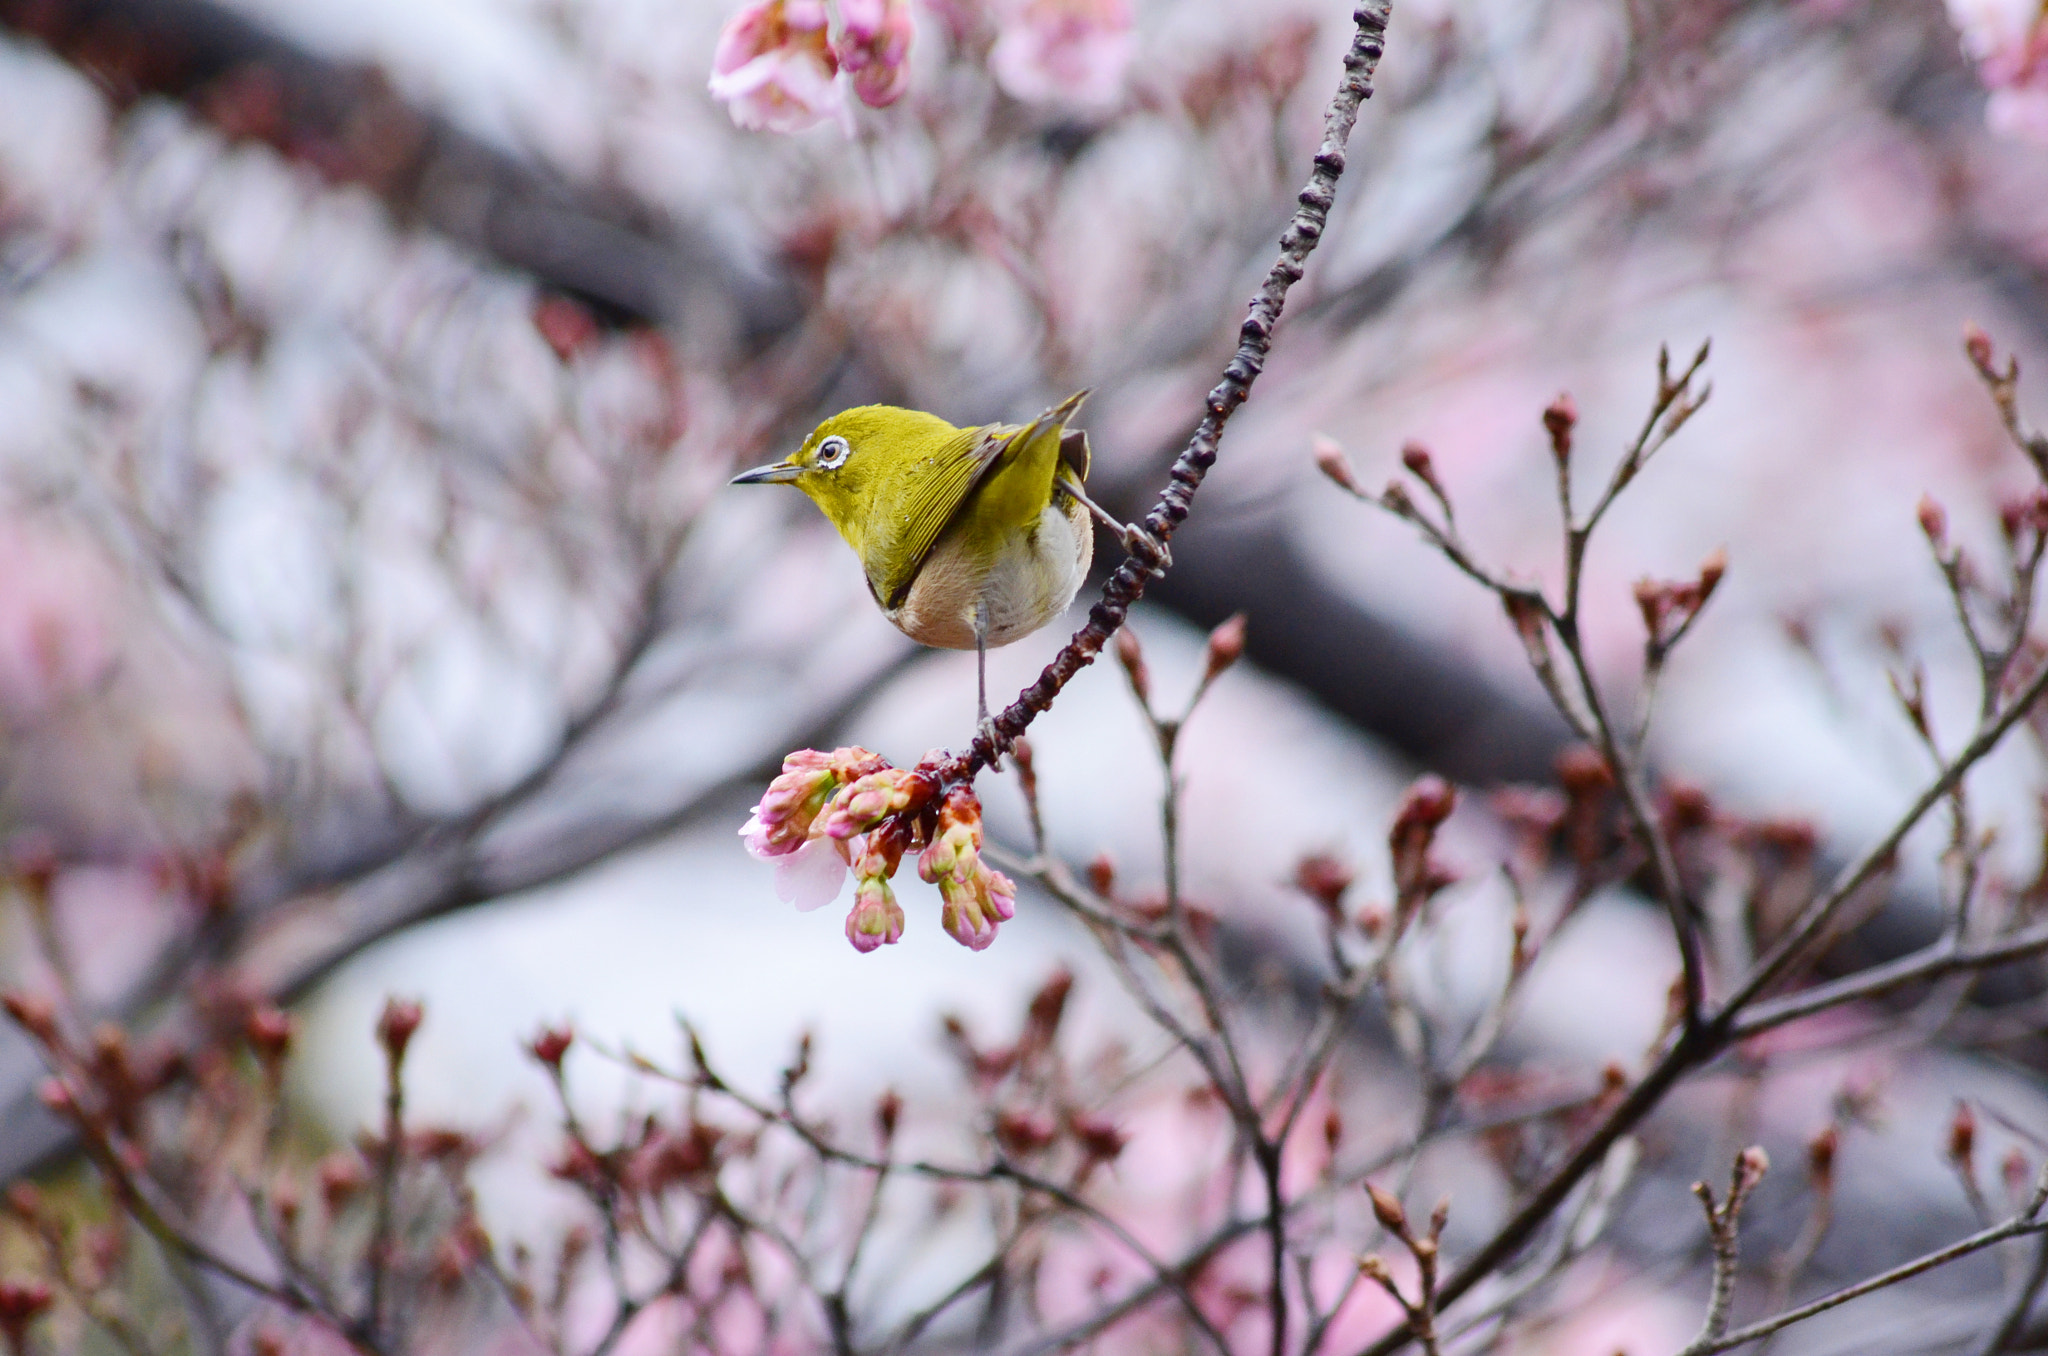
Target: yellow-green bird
x,y
970,537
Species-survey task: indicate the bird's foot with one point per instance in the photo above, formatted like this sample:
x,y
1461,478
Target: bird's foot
x,y
1146,549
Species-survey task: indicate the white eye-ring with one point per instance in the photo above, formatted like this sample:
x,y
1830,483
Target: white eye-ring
x,y
832,453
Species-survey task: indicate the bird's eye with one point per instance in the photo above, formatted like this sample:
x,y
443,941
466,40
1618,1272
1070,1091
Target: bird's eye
x,y
832,453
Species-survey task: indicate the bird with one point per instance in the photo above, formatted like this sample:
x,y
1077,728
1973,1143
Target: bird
x,y
971,538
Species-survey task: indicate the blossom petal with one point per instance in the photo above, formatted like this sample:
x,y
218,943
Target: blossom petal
x,y
810,877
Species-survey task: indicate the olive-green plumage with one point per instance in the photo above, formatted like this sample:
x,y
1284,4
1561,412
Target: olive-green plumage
x,y
970,537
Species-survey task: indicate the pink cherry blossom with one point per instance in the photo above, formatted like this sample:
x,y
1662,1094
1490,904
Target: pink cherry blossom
x,y
1063,51
775,68
786,826
874,49
811,877
2008,39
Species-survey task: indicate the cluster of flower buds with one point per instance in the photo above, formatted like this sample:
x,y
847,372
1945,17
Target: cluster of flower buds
x,y
780,67
1669,606
2008,39
849,809
785,65
1418,875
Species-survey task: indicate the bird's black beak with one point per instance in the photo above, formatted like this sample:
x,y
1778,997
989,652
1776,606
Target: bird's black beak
x,y
780,473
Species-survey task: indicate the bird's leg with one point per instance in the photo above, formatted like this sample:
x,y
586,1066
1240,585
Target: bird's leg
x,y
1136,540
982,723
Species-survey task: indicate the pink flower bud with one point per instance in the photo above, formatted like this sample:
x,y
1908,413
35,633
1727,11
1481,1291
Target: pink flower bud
x,y
861,805
1558,421
1977,344
876,919
396,1025
787,815
874,49
977,899
1226,647
551,1045
1332,462
1934,522
1131,655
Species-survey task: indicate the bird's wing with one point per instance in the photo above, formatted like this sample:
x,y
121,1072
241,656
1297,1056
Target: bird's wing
x,y
931,500
1001,471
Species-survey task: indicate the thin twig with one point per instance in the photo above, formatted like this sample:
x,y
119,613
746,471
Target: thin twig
x,y
1127,584
2019,1225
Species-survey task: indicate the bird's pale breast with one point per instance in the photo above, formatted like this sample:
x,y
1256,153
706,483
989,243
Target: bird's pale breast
x,y
1027,583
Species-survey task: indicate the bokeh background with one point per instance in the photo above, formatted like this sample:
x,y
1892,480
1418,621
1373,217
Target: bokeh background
x,y
374,616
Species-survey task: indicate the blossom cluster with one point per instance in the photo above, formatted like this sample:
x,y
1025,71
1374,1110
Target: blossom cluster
x,y
785,65
2008,39
828,812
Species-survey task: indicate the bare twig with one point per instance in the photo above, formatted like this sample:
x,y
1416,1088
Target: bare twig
x,y
1724,1221
1128,583
2028,1221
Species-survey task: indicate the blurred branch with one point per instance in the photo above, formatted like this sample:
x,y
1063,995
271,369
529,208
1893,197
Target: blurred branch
x,y
456,865
2028,1221
350,123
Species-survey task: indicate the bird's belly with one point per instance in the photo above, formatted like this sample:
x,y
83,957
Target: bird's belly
x,y
1024,585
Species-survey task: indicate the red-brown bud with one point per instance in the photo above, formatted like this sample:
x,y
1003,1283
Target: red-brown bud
x,y
1962,1136
21,1303
1712,569
1333,1129
1102,875
1934,522
56,1095
1561,416
1324,879
1131,655
1386,1208
1027,769
341,1177
567,327
1226,647
1977,345
1428,803
1686,807
1099,1138
1416,458
395,1027
1048,1005
888,1113
1820,1156
2016,1171
1582,772
269,1033
1332,462
550,1045
1023,1132
33,1013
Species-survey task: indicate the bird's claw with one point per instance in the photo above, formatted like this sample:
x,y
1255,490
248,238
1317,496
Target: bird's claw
x,y
1147,549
